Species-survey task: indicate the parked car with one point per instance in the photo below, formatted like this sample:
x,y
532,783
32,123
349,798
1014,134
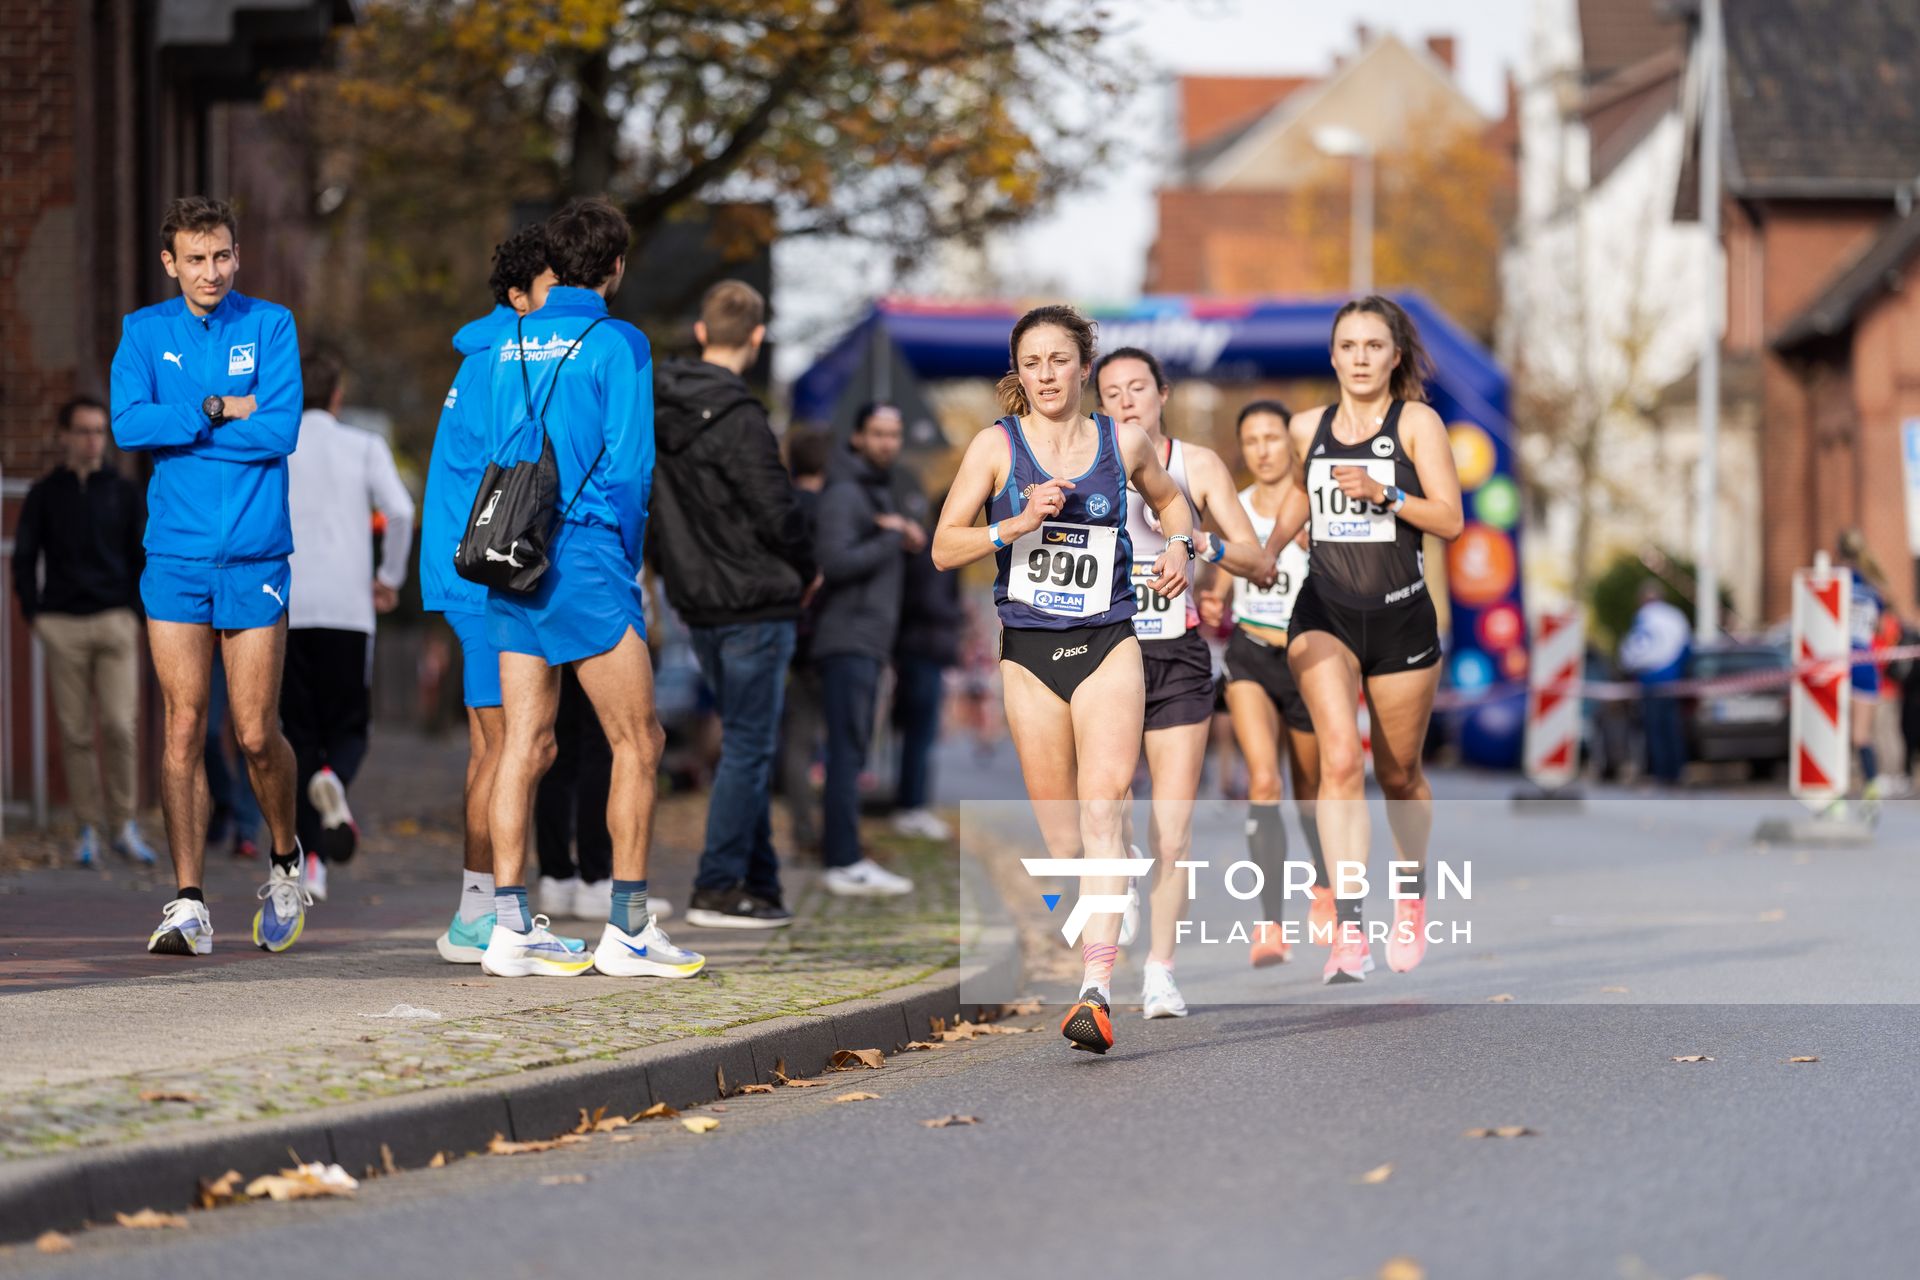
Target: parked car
x,y
1749,725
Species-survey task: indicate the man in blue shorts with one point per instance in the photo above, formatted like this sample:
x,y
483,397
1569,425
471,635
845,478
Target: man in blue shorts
x,y
519,280
209,383
589,380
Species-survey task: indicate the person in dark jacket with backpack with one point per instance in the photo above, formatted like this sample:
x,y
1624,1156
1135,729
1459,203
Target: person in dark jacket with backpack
x,y
731,544
860,541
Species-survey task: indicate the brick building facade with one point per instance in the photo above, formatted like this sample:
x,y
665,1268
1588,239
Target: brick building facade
x,y
1821,156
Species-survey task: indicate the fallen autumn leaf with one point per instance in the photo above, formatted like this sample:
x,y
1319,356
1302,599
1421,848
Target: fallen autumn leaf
x,y
1502,998
1810,1058
756,1088
224,1189
1374,1177
53,1242
1694,1057
1503,1131
1402,1269
658,1111
699,1124
563,1179
948,1122
856,1097
849,1059
501,1147
304,1182
169,1095
148,1220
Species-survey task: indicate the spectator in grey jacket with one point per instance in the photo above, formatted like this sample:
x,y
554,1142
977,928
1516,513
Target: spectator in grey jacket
x,y
859,543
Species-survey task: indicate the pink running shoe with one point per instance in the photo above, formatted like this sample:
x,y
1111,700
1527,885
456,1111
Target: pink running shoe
x,y
1351,959
1269,947
1407,944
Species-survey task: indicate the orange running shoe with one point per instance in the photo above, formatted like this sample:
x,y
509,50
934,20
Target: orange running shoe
x,y
1088,1024
1269,948
1351,959
1407,944
1322,920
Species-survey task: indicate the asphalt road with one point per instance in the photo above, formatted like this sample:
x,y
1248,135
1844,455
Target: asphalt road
x,y
1237,1140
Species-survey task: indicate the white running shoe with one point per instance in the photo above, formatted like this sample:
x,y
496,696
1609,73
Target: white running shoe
x,y
316,878
339,834
921,823
557,897
535,953
1159,998
284,900
646,954
866,879
185,930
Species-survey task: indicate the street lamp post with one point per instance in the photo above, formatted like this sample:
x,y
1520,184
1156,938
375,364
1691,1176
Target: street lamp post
x,y
1340,141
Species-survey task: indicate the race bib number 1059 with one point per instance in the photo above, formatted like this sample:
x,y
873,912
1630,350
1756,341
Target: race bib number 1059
x,y
1064,569
1338,518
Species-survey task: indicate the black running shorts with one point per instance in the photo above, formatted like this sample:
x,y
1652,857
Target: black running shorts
x,y
1385,638
1062,659
1257,662
1179,681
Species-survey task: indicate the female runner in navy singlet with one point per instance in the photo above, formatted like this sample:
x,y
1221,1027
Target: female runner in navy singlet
x,y
1054,481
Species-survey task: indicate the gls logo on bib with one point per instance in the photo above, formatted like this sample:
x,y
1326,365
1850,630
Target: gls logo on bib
x,y
240,359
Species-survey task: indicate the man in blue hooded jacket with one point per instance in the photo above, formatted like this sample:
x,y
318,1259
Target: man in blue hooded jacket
x,y
585,381
519,280
209,384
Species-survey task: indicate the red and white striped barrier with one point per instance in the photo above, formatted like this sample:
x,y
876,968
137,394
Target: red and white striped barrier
x,y
1819,709
1552,755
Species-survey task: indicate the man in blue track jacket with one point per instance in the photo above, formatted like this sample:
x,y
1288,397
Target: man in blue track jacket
x,y
587,381
209,384
519,280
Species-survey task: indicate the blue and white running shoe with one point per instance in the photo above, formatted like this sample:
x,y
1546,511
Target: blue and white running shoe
x,y
86,850
185,930
465,943
647,954
284,902
535,953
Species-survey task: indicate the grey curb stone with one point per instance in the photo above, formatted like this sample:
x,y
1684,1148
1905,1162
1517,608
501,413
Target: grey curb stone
x,y
68,1190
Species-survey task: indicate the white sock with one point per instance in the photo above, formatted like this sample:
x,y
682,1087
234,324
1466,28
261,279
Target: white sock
x,y
476,896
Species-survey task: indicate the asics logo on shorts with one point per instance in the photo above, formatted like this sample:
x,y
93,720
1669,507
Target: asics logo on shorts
x,y
494,557
1064,652
268,588
175,357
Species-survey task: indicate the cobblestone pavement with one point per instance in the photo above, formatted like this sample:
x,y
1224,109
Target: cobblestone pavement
x,y
107,1043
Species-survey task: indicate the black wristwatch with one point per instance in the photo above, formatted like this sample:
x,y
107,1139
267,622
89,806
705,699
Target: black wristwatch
x,y
215,409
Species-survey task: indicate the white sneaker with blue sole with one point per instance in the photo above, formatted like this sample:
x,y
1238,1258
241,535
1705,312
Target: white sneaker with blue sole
x,y
646,954
535,953
185,930
465,943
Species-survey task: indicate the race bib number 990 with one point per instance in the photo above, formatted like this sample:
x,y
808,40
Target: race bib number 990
x,y
1065,570
1338,518
1155,617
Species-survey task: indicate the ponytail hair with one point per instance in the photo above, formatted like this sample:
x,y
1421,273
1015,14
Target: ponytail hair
x,y
1013,396
1409,380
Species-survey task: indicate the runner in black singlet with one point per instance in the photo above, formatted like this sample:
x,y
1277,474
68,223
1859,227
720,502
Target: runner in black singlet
x,y
1376,474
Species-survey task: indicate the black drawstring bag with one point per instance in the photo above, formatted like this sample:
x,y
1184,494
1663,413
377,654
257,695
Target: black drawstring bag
x,y
508,530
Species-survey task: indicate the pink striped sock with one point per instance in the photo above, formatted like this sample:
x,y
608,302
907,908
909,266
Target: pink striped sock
x,y
1099,958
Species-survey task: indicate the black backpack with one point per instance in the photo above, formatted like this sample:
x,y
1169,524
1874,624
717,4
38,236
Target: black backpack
x,y
505,542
